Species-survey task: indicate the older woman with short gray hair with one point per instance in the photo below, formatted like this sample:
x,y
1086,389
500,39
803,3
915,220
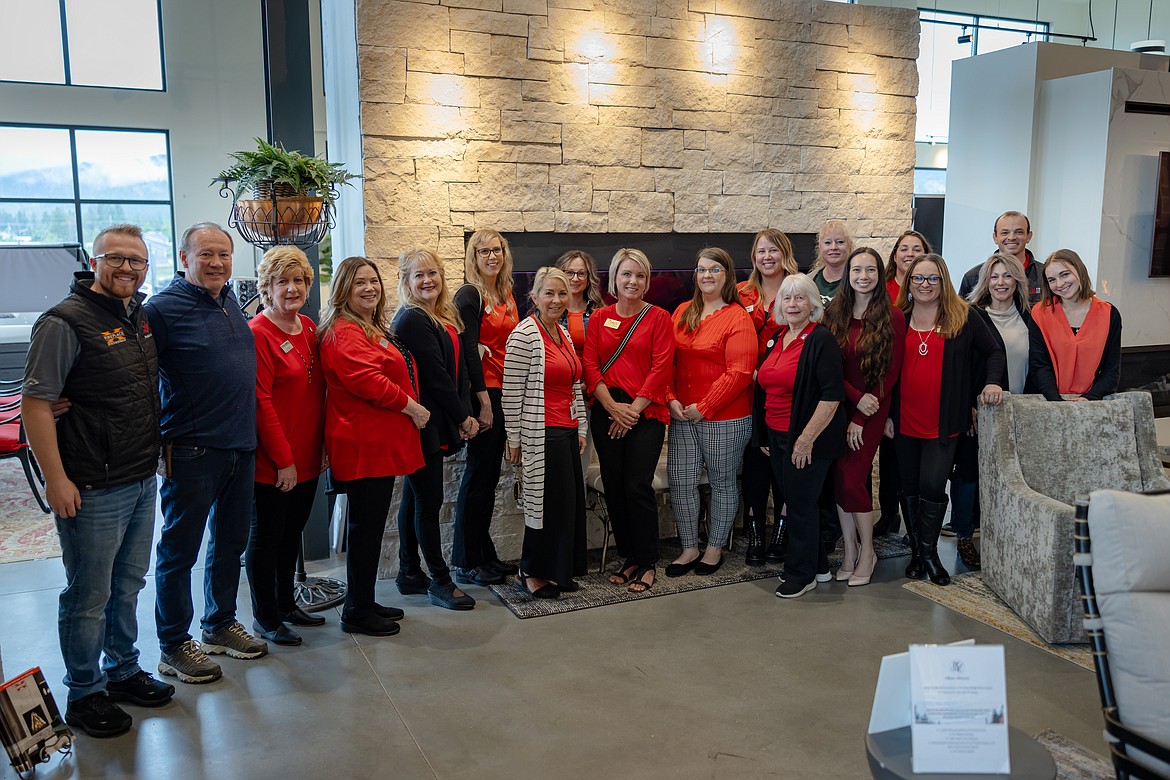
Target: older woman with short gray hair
x,y
798,413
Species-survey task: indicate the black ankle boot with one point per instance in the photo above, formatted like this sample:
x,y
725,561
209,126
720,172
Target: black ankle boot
x,y
915,570
754,527
930,520
779,543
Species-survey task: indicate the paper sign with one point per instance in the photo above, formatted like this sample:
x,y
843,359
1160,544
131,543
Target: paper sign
x,y
891,699
958,701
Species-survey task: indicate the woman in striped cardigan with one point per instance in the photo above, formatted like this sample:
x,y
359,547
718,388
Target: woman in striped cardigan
x,y
545,425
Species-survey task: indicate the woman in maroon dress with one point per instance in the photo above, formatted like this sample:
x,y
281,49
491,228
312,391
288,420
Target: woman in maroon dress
x,y
871,334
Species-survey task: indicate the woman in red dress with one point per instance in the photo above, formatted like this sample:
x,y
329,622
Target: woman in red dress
x,y
372,400
871,334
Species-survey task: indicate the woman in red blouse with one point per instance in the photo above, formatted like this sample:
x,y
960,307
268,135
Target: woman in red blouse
x,y
710,406
629,351
871,334
489,314
372,422
950,363
544,417
772,260
290,419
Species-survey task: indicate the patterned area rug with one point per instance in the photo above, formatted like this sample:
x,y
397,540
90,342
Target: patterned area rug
x,y
26,533
597,591
1074,761
968,595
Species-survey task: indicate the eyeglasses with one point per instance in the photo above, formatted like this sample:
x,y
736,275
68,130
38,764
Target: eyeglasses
x,y
117,261
933,280
713,270
496,250
577,274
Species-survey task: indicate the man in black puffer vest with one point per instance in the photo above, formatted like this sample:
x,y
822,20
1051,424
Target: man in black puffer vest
x,y
95,349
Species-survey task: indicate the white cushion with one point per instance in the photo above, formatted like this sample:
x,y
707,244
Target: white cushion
x,y
1131,574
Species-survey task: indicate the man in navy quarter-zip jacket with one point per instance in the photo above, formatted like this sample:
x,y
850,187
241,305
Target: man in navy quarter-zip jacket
x,y
207,373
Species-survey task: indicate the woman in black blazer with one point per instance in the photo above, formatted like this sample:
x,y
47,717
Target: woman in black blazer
x,y
429,325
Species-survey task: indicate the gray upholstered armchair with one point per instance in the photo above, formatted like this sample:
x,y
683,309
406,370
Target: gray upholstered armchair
x,y
1035,457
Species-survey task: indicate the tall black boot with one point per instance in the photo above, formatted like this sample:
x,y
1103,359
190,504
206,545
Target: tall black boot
x,y
915,570
779,544
930,520
754,528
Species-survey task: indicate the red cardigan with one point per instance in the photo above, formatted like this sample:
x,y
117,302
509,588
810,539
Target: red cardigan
x,y
366,432
290,400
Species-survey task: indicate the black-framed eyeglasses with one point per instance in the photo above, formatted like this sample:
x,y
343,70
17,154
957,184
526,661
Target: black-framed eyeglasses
x,y
488,252
934,280
117,261
577,274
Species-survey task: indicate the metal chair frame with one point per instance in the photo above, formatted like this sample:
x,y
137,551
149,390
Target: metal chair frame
x,y
1119,736
24,454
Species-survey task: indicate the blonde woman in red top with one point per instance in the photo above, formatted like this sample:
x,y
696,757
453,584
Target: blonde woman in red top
x,y
629,353
772,261
489,314
710,408
372,422
290,420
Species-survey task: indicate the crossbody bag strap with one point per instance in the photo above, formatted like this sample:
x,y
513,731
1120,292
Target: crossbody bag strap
x,y
626,340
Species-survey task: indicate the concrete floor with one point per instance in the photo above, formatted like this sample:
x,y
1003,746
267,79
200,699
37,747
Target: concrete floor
x,y
723,682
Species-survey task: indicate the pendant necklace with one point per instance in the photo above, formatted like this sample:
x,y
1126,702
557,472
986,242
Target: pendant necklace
x,y
308,363
923,346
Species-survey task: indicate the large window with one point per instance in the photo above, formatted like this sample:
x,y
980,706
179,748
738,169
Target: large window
x,y
947,37
65,184
90,43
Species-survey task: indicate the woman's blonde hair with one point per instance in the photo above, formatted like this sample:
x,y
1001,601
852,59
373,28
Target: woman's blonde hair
x,y
755,281
281,261
543,274
952,310
981,295
339,308
832,224
443,313
501,291
1077,266
635,256
729,293
593,288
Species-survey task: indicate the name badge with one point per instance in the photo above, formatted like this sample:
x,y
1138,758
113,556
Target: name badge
x,y
612,323
750,308
286,347
383,343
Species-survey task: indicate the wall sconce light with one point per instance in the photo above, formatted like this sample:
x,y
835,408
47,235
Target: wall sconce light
x,y
964,36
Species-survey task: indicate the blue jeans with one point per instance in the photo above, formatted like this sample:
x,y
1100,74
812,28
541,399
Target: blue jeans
x,y
106,551
207,487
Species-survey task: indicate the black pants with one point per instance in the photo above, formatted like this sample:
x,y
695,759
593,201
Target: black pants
x,y
627,472
800,488
418,521
274,540
758,481
472,544
557,551
369,504
890,481
925,465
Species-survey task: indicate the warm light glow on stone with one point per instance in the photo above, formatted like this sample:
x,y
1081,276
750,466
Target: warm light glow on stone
x,y
449,91
722,50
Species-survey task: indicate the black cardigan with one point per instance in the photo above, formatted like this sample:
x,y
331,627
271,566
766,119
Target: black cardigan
x,y
1042,375
444,386
971,361
469,302
820,376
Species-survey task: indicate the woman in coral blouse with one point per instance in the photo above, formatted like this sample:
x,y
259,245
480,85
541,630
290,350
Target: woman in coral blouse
x,y
1075,349
290,420
710,407
772,260
544,417
950,363
871,334
371,403
629,351
489,314
429,326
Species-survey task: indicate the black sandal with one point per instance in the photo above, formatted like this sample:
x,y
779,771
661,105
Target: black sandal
x,y
546,591
639,585
621,577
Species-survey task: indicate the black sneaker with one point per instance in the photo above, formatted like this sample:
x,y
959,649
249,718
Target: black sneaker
x,y
141,689
790,590
97,716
